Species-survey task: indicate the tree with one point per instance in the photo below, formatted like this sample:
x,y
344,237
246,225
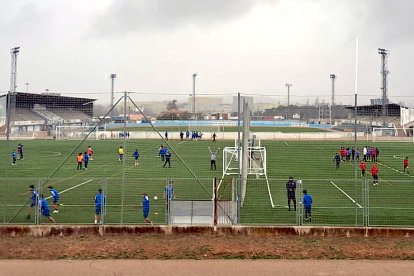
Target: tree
x,y
172,105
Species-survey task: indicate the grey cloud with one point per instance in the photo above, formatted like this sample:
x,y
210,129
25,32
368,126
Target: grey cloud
x,y
390,21
125,16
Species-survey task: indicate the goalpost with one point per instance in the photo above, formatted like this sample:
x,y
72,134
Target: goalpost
x,y
246,158
392,134
76,132
256,165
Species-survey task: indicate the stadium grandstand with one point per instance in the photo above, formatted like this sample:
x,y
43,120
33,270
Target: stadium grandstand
x,y
371,117
38,115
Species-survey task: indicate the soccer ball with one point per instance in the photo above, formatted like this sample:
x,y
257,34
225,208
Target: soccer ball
x,y
155,197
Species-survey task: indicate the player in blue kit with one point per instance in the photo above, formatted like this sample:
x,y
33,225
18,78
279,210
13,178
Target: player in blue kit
x,y
337,160
146,208
34,197
169,194
136,156
55,199
307,205
99,203
14,157
44,208
85,160
162,151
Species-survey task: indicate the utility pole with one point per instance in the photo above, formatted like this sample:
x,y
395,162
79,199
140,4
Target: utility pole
x,y
384,72
333,77
194,99
12,92
288,85
113,77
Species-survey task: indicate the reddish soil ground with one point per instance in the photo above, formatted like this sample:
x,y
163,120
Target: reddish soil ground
x,y
203,246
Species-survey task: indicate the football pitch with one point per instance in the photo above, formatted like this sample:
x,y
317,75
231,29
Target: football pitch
x,y
341,196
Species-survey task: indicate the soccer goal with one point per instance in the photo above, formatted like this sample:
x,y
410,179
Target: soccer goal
x,y
256,164
391,134
76,132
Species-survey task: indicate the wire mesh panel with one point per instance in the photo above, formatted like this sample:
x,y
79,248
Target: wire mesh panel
x,y
19,199
135,150
390,202
191,212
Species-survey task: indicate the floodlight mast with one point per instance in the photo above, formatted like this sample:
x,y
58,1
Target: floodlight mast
x,y
13,77
113,77
332,77
194,90
384,72
288,85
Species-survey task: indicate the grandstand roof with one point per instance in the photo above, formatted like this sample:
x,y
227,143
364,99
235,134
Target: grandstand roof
x,y
20,96
28,100
393,110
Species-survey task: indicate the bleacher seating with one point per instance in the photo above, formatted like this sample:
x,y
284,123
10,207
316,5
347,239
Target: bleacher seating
x,y
26,115
70,115
47,114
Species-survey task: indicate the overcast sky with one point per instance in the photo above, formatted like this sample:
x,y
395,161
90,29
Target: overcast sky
x,y
248,46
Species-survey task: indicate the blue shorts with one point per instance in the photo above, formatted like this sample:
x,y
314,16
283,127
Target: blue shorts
x,y
146,212
98,210
33,203
46,213
55,200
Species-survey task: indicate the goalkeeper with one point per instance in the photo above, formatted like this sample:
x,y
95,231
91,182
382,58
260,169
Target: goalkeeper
x,y
291,192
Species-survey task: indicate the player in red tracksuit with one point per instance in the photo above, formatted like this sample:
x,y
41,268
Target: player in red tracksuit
x,y
90,152
363,168
374,154
406,165
343,153
374,173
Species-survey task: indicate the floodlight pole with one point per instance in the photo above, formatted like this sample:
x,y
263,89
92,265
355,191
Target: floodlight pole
x,y
288,85
333,77
384,72
27,87
12,92
194,99
113,77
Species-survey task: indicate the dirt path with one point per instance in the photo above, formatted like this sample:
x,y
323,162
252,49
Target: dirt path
x,y
203,246
205,267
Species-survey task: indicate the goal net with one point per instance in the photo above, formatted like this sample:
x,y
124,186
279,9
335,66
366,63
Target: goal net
x,y
76,132
392,134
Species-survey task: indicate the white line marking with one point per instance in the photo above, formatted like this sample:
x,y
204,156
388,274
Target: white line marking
x,y
398,156
353,201
181,142
286,143
53,154
83,183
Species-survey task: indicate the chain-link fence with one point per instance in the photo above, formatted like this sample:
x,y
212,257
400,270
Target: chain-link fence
x,y
114,167
179,201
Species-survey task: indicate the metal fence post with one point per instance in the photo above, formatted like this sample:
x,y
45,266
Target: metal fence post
x,y
38,211
299,214
366,197
103,203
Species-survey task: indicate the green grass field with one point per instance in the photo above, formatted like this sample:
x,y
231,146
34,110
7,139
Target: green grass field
x,y
338,194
